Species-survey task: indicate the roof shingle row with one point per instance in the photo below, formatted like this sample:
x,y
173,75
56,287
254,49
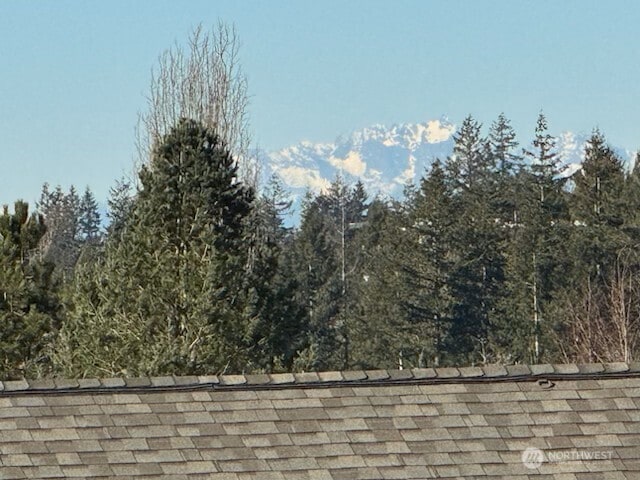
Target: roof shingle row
x,y
448,374
443,423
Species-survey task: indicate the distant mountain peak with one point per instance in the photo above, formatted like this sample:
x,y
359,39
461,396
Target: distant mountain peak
x,y
385,158
407,135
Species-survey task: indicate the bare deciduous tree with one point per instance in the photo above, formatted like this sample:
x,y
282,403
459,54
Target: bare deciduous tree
x,y
203,82
604,324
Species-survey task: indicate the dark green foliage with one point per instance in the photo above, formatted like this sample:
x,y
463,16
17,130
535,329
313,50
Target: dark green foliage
x,y
536,257
276,319
380,331
29,305
318,278
495,257
477,267
603,291
71,223
597,205
120,206
428,264
470,167
168,296
502,144
328,260
597,197
89,221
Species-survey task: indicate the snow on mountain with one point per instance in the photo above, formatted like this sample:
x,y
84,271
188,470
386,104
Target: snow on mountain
x,y
571,147
385,159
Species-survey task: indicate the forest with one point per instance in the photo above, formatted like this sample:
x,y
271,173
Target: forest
x,y
495,256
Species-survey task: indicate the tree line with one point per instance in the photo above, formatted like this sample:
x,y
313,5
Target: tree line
x,y
495,256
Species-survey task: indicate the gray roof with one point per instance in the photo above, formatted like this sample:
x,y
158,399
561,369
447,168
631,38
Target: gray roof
x,y
402,424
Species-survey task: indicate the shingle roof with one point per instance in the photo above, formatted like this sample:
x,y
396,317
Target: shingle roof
x,y
546,422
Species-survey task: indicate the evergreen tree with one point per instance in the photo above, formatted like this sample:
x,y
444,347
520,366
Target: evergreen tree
x,y
276,318
89,222
544,160
507,196
470,167
598,242
536,255
325,246
597,206
29,304
319,285
477,268
502,144
380,331
120,206
427,266
168,295
61,242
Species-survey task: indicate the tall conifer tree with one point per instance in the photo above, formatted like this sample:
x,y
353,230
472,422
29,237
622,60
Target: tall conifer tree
x,y
427,266
30,310
169,295
477,267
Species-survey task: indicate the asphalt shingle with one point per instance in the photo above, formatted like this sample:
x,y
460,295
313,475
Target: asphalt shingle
x,y
420,423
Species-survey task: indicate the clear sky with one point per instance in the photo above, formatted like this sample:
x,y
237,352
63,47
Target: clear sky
x,y
73,74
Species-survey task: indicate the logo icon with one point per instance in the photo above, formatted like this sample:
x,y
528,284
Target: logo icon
x,y
532,458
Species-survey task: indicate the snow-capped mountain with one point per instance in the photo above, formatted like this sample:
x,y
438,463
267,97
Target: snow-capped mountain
x,y
571,148
385,159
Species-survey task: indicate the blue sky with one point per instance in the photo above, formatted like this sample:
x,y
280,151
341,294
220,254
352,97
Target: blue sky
x,y
73,74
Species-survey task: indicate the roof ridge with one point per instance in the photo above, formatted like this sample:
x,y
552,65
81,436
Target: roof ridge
x,y
322,379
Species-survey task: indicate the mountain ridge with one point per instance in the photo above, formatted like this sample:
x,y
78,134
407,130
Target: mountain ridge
x,y
386,159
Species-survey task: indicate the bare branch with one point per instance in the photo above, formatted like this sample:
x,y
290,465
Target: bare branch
x,y
604,321
205,82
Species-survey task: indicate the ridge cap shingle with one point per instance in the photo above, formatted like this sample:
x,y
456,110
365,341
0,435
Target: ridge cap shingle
x,y
487,373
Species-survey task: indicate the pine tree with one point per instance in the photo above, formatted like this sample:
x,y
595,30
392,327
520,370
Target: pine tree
x,y
427,266
120,206
502,144
168,295
276,329
470,166
477,269
89,222
319,285
599,246
536,255
30,310
544,160
380,331
325,245
508,165
61,242
597,206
